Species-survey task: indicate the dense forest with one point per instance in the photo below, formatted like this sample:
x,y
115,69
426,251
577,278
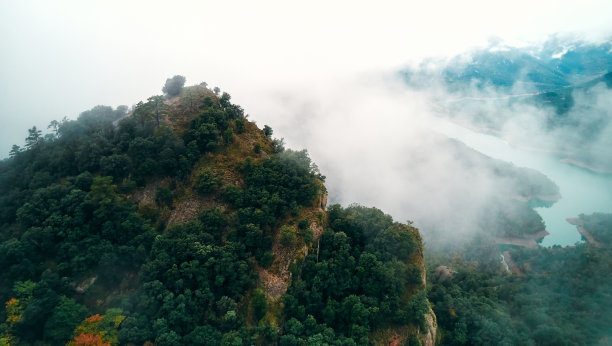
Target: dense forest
x,y
179,222
541,296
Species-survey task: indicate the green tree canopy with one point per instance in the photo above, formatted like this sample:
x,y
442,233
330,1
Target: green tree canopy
x,y
174,85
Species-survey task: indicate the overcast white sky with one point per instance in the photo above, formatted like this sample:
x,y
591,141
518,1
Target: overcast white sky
x,y
58,58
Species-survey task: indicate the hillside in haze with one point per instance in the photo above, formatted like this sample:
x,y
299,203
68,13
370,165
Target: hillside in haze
x,y
533,296
554,96
180,222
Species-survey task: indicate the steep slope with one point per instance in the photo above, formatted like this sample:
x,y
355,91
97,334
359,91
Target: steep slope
x,y
182,223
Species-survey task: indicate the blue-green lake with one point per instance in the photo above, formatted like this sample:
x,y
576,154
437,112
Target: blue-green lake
x,y
582,192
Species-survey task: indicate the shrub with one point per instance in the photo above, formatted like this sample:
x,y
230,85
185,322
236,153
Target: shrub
x,y
308,236
287,236
259,304
163,196
174,85
207,182
303,224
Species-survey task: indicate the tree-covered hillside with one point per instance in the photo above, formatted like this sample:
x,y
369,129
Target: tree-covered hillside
x,y
179,222
536,296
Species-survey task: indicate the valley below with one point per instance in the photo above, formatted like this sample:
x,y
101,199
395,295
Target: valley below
x,y
581,191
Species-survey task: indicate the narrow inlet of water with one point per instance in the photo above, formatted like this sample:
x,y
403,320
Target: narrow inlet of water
x,y
582,192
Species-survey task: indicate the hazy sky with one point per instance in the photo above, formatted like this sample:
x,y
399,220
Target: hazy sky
x,y
59,58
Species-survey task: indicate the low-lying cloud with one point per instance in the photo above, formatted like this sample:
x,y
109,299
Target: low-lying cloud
x,y
375,140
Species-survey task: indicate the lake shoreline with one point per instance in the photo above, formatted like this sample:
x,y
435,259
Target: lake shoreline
x,y
528,241
582,191
497,133
583,165
547,198
586,234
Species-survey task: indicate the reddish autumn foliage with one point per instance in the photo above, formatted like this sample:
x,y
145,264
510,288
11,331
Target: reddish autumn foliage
x,y
89,340
94,318
12,301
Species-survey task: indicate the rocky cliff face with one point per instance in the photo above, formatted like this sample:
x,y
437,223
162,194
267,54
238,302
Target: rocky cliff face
x,y
428,338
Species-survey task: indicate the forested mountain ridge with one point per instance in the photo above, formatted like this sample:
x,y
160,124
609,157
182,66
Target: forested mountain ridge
x,y
182,223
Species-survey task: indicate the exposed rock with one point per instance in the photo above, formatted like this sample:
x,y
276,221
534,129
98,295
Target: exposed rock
x,y
401,335
276,279
583,232
529,241
323,202
274,286
443,273
512,266
84,285
147,194
317,230
429,338
396,340
189,209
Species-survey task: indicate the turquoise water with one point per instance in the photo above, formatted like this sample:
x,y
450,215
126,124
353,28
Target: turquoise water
x,y
582,192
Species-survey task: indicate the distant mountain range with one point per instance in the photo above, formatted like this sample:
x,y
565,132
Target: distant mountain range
x,y
559,87
552,66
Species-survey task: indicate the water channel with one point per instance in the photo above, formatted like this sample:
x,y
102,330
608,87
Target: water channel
x,y
582,192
